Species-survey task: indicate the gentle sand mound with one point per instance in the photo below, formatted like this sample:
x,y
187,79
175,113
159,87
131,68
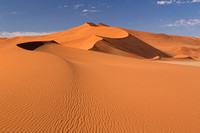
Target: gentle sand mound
x,y
189,52
156,58
62,89
182,56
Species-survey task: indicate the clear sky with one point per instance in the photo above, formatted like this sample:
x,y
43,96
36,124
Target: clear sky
x,y
35,17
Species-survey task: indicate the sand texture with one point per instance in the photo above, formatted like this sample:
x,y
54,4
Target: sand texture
x,y
96,78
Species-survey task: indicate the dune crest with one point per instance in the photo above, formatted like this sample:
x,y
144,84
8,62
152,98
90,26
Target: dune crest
x,y
102,24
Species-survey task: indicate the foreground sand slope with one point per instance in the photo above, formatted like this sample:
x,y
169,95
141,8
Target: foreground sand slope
x,y
61,89
59,83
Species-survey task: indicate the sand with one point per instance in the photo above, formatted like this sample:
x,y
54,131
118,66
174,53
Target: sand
x,y
95,78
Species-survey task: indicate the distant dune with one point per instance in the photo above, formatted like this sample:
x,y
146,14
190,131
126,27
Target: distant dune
x,y
101,37
96,78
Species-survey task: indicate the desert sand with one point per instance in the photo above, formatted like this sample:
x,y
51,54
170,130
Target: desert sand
x,y
96,78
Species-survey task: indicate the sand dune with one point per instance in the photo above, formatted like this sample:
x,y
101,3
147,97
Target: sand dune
x,y
90,36
168,43
59,83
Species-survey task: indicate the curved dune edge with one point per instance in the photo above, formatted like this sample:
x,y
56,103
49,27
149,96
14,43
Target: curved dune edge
x,y
129,45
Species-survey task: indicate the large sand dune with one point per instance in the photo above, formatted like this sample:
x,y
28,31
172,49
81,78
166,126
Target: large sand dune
x,y
59,83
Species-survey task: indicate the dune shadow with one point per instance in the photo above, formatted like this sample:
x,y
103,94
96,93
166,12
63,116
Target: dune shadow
x,y
127,46
34,45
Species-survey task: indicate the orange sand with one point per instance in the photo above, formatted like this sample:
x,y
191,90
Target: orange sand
x,y
66,86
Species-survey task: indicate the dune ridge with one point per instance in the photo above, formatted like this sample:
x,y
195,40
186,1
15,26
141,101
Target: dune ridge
x,y
131,45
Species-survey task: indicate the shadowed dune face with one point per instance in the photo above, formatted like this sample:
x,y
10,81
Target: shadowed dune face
x,y
130,45
35,45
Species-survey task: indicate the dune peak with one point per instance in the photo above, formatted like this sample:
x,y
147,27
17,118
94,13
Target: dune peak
x,y
92,24
97,25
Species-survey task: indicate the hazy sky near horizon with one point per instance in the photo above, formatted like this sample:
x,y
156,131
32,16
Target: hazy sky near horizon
x,y
37,17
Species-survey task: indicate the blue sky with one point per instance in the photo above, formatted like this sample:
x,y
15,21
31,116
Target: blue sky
x,y
37,17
